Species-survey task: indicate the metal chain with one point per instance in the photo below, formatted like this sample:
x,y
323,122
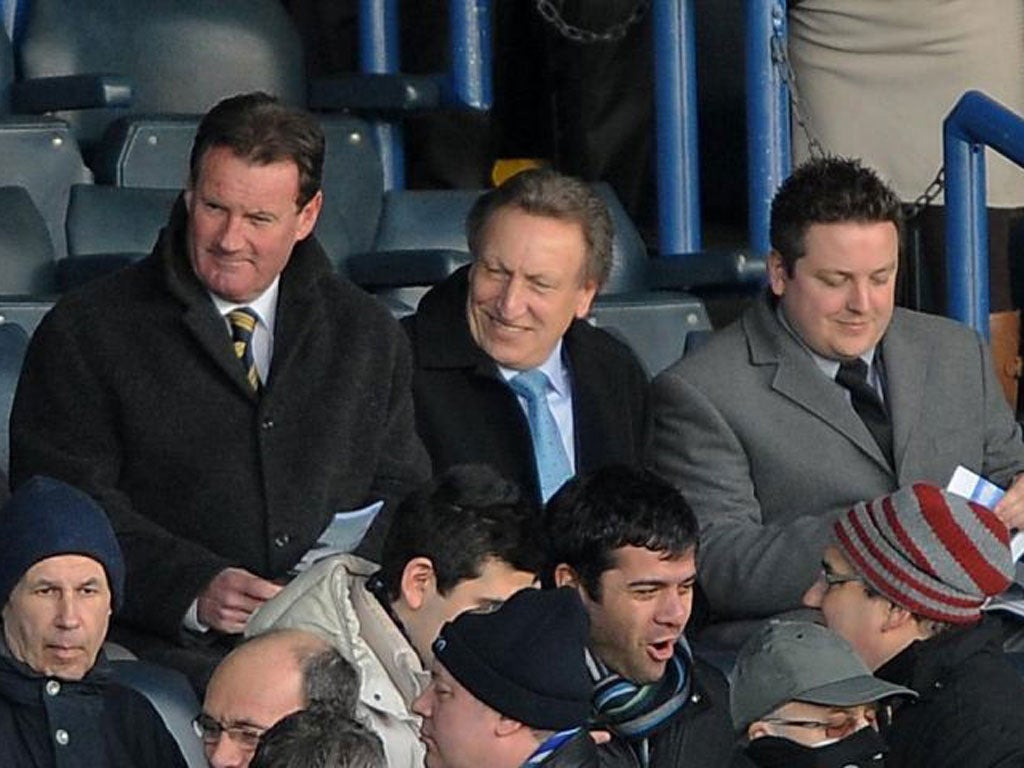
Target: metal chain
x,y
780,58
926,198
550,11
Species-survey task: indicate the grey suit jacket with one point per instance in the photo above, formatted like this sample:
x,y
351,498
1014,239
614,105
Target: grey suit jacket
x,y
768,450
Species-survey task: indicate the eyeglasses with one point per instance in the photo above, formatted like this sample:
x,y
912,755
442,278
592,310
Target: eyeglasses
x,y
838,727
833,579
210,730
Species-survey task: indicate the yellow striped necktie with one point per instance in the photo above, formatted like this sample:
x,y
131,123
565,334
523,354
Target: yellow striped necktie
x,y
243,322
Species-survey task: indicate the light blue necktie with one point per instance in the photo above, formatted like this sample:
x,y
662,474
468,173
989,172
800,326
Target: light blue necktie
x,y
553,466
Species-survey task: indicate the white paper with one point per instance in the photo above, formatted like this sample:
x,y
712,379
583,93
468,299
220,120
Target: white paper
x,y
973,486
344,533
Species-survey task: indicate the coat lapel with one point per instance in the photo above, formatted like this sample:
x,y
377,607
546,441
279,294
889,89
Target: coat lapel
x,y
798,379
906,378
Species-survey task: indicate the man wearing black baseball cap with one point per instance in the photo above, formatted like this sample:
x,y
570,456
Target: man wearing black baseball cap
x,y
802,697
511,688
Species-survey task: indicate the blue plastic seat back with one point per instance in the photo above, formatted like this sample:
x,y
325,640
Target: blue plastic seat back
x,y
171,696
40,155
13,343
26,254
180,56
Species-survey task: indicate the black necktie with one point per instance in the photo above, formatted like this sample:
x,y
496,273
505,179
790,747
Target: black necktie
x,y
853,375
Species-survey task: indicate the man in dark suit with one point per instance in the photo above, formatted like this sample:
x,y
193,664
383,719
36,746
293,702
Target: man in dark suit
x,y
225,397
768,433
514,319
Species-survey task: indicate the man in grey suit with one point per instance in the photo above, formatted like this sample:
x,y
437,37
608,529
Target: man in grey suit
x,y
822,395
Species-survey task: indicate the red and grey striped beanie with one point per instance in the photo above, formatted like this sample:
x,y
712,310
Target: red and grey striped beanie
x,y
935,553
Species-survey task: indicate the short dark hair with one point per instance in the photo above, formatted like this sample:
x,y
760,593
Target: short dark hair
x,y
319,738
330,682
828,190
544,192
261,130
593,515
459,520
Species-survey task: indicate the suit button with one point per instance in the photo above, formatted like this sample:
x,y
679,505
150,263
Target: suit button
x,y
281,540
52,688
267,424
61,737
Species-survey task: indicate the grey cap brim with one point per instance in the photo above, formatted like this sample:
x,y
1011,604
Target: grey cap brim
x,y
853,691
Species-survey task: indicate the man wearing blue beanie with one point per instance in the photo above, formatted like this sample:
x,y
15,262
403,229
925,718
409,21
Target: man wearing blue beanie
x,y
61,576
511,688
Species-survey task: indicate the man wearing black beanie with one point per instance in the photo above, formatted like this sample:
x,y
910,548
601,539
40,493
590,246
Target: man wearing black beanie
x,y
511,688
61,578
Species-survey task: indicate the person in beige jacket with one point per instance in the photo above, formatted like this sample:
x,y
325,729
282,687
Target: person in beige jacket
x,y
464,542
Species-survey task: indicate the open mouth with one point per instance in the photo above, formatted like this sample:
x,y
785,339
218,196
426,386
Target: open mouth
x,y
661,650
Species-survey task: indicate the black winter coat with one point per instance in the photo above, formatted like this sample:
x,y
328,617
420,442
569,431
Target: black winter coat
x,y
131,391
465,412
970,713
90,723
700,736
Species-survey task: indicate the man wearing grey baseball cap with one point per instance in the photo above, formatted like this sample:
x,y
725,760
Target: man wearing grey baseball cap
x,y
801,697
905,581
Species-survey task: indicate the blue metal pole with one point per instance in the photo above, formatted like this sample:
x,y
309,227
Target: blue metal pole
x,y
379,54
675,67
975,122
471,81
768,138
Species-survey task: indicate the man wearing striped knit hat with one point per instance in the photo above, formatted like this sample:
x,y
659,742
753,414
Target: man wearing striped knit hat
x,y
904,582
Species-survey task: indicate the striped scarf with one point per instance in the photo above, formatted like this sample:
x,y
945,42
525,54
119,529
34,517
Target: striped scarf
x,y
634,712
550,745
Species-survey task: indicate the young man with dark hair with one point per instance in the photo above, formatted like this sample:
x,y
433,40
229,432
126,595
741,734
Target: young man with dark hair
x,y
225,397
822,371
507,370
464,542
904,580
627,541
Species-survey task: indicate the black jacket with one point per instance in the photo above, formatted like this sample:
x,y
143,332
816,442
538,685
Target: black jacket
x,y
90,723
131,392
970,713
700,736
465,412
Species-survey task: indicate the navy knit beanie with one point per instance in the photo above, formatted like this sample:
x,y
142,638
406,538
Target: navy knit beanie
x,y
45,518
525,660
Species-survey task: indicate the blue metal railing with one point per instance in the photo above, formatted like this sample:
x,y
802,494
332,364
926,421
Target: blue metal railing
x,y
675,98
975,122
768,128
466,84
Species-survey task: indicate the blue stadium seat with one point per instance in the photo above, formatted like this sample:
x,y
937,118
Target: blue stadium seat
x,y
27,257
13,343
152,56
41,156
110,227
173,698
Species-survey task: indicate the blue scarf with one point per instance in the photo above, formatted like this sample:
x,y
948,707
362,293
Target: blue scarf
x,y
635,712
550,745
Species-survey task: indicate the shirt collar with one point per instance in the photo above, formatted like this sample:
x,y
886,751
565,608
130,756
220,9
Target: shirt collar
x,y
553,368
264,305
827,365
